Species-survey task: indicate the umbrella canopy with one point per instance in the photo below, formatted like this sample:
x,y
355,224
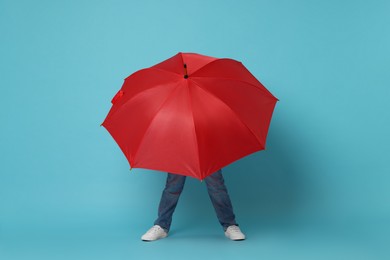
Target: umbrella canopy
x,y
190,114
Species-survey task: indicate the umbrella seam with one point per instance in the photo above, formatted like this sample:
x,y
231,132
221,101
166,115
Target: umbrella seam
x,y
163,70
111,114
150,68
250,130
151,121
182,58
193,120
216,59
136,72
263,89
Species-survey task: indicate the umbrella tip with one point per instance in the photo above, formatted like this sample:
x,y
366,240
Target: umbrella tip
x,y
185,71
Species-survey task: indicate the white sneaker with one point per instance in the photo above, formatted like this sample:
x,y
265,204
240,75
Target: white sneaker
x,y
154,233
233,232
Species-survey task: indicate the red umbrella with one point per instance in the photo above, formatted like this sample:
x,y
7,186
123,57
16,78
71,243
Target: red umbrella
x,y
191,115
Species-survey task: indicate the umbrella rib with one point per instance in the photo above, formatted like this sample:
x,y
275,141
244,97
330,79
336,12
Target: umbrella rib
x,y
242,122
151,121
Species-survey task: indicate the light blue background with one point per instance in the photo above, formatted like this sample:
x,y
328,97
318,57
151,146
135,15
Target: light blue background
x,y
319,191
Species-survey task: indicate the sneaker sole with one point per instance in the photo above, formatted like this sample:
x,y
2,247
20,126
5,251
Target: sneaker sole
x,y
151,240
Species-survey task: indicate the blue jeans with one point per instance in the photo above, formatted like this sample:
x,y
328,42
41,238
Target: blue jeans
x,y
217,192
